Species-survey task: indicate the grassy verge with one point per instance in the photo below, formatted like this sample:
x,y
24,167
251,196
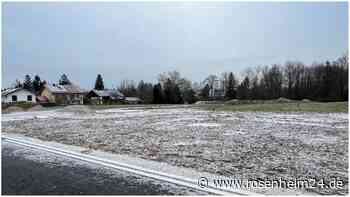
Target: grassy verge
x,y
283,107
23,105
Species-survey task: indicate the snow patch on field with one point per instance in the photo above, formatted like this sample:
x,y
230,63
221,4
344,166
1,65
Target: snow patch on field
x,y
205,124
243,144
34,115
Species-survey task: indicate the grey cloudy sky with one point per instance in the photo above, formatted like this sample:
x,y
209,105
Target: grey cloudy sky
x,y
132,40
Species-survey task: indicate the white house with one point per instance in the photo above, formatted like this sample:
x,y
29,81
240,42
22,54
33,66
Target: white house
x,y
218,90
17,95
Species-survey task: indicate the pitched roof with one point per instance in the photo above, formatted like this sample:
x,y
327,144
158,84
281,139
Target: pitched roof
x,y
54,88
74,89
10,91
132,99
108,93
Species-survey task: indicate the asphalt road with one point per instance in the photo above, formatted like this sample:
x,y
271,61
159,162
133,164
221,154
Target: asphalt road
x,y
29,171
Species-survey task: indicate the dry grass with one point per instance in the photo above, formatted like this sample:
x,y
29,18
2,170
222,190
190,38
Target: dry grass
x,y
283,107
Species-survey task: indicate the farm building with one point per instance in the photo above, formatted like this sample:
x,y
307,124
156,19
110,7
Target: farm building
x,y
64,94
104,96
133,100
17,95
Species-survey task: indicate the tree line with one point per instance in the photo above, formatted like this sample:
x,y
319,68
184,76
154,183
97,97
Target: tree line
x,y
320,81
326,81
171,88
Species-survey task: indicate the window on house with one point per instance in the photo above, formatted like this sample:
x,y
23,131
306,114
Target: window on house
x,y
14,98
29,98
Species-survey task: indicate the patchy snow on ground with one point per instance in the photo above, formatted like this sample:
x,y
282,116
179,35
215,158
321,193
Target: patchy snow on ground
x,y
255,145
209,124
35,115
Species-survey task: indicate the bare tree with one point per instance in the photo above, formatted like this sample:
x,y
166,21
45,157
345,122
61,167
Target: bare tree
x,y
210,80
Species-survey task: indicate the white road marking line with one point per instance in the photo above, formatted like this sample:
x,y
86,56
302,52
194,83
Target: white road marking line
x,y
129,168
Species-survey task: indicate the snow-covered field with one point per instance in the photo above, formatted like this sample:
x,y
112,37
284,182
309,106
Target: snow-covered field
x,y
255,145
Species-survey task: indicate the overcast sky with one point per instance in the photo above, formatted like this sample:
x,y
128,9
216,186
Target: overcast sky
x,y
131,40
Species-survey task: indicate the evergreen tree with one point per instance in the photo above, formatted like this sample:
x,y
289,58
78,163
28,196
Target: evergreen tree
x,y
37,83
204,94
99,83
148,93
157,94
177,99
230,88
27,84
168,92
172,93
64,80
326,85
190,96
145,91
254,93
243,89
